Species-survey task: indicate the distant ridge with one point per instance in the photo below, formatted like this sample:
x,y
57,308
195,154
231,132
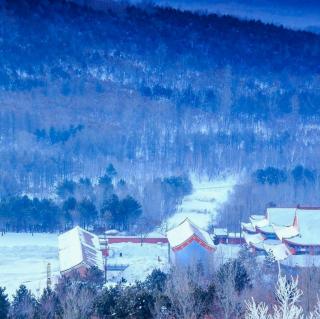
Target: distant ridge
x,y
291,13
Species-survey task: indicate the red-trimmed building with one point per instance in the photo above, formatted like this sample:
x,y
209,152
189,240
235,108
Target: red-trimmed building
x,y
222,236
285,232
190,245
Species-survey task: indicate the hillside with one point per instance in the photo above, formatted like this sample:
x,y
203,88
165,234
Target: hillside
x,y
289,13
168,92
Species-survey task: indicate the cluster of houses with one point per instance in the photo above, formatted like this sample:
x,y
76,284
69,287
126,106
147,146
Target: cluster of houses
x,y
286,234
281,233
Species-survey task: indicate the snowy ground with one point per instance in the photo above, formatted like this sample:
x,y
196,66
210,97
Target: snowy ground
x,y
24,259
201,206
140,260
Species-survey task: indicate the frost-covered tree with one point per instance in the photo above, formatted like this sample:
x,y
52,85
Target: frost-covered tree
x,y
287,295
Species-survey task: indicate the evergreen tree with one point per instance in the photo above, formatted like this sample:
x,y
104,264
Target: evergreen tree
x,y
24,304
111,171
4,304
88,212
49,305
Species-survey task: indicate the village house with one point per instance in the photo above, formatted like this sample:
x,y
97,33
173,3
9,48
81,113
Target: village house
x,y
190,245
79,250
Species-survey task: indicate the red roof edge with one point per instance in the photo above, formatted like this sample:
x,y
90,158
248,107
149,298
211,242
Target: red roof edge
x,y
190,240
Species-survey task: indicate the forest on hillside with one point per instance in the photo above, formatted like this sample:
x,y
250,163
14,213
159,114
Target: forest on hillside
x,y
157,91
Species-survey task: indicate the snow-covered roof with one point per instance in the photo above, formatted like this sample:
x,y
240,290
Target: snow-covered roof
x,y
257,217
308,225
266,229
258,222
248,227
281,216
220,232
277,249
111,232
186,231
79,247
284,232
253,238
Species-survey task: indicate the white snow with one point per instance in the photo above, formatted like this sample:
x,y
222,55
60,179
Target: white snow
x,y
201,206
253,238
278,250
285,231
281,216
140,260
24,259
308,224
261,222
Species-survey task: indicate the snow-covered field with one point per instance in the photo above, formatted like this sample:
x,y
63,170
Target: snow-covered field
x,y
24,259
201,206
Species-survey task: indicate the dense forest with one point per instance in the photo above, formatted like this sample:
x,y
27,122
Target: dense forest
x,y
157,91
107,204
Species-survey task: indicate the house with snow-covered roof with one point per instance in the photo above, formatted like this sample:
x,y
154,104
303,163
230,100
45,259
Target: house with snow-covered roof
x,y
284,232
304,235
190,245
79,250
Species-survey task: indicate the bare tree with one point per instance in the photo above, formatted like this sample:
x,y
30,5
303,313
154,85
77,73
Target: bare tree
x,y
181,290
309,282
227,294
77,301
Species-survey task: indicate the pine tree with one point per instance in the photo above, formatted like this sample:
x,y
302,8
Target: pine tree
x,y
23,304
4,304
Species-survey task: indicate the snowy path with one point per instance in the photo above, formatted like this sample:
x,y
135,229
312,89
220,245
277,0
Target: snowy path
x,y
201,206
24,259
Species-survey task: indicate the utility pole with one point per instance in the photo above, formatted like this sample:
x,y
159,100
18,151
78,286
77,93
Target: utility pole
x,y
106,250
49,281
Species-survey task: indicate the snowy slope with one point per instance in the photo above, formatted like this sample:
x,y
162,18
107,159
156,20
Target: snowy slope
x,y
201,206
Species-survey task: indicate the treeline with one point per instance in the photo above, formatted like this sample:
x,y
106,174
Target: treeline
x,y
276,176
44,215
107,204
228,291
